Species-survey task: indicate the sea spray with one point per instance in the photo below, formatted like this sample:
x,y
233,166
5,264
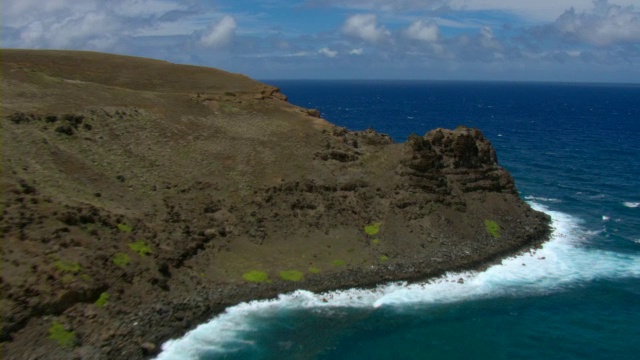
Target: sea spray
x,y
562,262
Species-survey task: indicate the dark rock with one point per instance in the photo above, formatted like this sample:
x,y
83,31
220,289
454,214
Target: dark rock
x,y
313,113
149,349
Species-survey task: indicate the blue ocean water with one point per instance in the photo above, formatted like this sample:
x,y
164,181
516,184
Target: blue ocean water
x,y
574,151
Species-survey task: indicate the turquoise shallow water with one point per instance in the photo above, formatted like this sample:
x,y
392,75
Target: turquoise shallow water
x,y
574,151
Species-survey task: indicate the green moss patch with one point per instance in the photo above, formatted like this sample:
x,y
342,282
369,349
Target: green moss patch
x,y
62,336
338,262
256,276
291,275
372,229
492,228
125,228
121,259
67,266
102,300
384,258
140,247
314,270
376,241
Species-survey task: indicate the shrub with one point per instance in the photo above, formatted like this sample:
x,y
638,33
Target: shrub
x,y
338,263
20,117
74,120
291,275
102,300
492,228
384,258
65,129
125,228
62,336
67,266
372,229
50,118
256,276
140,247
121,259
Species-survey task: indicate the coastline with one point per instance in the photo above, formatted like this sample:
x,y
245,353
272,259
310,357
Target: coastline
x,y
210,304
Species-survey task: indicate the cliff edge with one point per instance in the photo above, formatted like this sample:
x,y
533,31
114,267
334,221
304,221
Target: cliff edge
x,y
139,198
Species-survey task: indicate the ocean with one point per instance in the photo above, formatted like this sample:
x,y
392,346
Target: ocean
x,y
574,151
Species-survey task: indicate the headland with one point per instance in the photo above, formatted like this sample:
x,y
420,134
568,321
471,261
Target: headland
x,y
140,198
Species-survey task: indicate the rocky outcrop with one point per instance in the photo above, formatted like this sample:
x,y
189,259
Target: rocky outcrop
x,y
449,161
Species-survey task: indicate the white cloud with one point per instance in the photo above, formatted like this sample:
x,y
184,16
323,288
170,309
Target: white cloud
x,y
538,10
98,25
328,52
364,26
422,31
145,8
382,5
221,33
487,40
604,25
299,54
357,51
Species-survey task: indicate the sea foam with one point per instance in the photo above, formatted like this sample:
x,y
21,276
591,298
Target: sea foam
x,y
561,262
631,204
542,199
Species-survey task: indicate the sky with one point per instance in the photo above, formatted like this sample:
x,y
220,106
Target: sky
x,y
504,40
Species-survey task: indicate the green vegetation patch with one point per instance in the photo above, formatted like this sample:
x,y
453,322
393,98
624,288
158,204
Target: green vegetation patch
x,y
372,229
140,247
67,266
291,275
338,262
492,228
121,259
314,270
102,300
125,228
256,276
376,241
62,336
384,258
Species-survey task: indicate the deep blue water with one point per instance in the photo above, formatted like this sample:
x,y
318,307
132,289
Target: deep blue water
x,y
574,151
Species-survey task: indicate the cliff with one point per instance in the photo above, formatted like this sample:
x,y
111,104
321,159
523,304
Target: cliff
x,y
141,197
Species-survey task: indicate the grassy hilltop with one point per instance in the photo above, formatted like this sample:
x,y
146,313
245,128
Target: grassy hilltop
x,y
141,197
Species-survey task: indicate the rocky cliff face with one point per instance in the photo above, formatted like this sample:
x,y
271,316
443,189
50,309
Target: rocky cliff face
x,y
136,205
456,161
